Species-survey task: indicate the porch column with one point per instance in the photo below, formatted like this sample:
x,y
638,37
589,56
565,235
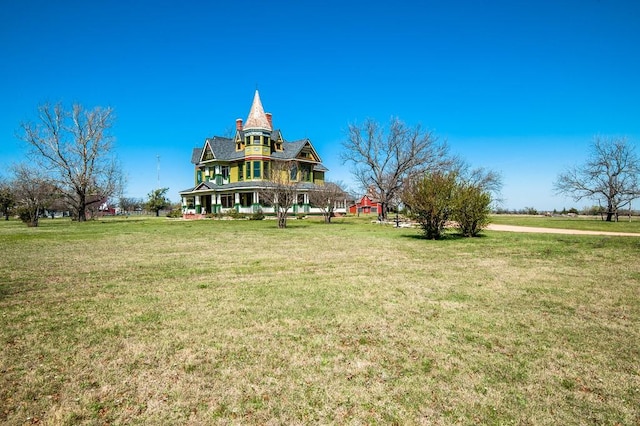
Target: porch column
x,y
198,205
218,204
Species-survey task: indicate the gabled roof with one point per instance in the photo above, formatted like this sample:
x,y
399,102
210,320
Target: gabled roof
x,y
223,150
292,150
257,118
276,135
195,155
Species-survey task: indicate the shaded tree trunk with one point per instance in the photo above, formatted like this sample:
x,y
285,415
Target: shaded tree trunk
x,y
82,208
282,220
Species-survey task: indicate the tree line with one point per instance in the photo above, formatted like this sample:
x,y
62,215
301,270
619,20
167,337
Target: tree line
x,y
72,165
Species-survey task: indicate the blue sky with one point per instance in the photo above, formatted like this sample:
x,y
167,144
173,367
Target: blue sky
x,y
520,87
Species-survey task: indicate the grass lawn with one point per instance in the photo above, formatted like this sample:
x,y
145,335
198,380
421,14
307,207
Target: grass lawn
x,y
157,321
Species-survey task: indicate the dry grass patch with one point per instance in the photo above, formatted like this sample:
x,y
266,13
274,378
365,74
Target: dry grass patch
x,y
210,322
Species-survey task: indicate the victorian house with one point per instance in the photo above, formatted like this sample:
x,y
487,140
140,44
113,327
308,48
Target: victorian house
x,y
231,173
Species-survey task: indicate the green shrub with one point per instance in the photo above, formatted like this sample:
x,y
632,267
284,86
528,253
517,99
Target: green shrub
x,y
175,213
257,215
235,214
471,209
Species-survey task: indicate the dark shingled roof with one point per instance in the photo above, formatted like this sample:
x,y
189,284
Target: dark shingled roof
x,y
195,155
291,150
224,149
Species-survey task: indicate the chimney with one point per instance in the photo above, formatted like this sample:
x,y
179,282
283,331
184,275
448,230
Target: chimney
x,y
239,124
269,119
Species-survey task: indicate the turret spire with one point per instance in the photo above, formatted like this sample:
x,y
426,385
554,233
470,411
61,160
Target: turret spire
x,y
257,119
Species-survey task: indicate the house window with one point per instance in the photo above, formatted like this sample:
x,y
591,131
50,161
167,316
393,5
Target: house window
x,y
294,172
265,168
246,199
256,140
226,201
305,169
248,170
199,176
225,172
240,171
256,169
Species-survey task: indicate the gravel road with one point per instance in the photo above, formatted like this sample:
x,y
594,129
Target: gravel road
x,y
512,228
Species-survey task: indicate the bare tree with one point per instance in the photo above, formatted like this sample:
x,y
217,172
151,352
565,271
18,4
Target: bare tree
x,y
74,149
129,204
609,176
32,193
326,196
383,160
282,189
7,198
57,205
482,179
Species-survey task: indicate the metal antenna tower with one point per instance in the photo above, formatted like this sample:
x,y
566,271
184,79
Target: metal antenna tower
x,y
158,168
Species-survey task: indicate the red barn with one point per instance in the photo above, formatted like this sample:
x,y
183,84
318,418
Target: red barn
x,y
366,205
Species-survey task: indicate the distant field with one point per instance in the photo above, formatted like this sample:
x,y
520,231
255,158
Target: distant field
x,y
157,321
587,223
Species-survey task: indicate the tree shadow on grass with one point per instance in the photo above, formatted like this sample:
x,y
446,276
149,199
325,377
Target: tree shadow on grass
x,y
449,236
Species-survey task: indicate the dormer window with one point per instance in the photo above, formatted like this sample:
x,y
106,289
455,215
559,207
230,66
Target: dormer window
x,y
208,155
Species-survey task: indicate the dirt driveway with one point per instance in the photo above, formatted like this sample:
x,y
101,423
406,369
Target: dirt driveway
x,y
512,228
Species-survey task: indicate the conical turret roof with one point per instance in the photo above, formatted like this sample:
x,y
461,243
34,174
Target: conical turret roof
x,y
257,118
